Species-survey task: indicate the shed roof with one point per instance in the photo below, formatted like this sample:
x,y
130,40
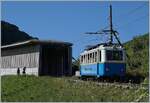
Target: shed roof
x,y
35,41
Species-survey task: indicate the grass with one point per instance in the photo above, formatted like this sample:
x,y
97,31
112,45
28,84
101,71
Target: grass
x,y
52,89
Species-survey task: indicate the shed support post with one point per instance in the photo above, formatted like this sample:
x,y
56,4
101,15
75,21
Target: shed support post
x,y
70,61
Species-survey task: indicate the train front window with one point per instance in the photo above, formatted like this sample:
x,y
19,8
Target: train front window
x,y
114,55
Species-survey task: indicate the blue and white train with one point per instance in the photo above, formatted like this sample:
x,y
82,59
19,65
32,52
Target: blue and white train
x,y
103,61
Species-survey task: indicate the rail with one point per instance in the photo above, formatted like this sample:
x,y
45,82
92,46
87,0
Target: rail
x,y
116,84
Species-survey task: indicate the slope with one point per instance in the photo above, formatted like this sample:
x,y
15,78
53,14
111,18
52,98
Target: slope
x,y
138,52
10,33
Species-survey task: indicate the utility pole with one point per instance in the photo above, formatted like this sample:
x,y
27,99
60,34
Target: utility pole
x,y
111,26
110,31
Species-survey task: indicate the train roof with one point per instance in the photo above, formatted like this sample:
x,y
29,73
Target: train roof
x,y
102,45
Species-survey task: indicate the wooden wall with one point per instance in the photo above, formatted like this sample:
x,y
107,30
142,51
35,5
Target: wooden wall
x,y
26,56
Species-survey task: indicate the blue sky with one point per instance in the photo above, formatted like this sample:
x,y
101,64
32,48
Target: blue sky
x,y
68,21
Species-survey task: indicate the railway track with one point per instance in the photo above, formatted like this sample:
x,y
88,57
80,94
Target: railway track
x,y
115,84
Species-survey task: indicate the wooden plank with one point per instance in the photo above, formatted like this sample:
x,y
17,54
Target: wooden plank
x,y
20,57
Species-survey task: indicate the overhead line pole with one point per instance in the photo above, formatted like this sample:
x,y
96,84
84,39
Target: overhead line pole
x,y
111,26
111,31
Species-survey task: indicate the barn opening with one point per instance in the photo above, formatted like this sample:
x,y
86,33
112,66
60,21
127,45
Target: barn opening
x,y
55,60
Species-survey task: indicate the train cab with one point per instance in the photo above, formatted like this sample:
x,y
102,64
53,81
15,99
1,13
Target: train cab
x,y
103,60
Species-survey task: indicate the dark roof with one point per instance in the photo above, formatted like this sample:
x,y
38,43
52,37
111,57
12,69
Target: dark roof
x,y
35,41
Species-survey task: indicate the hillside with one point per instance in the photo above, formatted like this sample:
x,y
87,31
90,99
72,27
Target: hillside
x,y
52,89
10,33
138,52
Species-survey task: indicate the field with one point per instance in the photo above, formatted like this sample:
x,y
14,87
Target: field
x,y
52,89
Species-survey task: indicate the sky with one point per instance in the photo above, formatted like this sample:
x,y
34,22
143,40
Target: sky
x,y
69,20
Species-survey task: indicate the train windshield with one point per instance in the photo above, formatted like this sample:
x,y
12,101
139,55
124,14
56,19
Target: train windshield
x,y
114,55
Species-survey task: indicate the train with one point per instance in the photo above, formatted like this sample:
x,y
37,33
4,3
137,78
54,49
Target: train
x,y
103,60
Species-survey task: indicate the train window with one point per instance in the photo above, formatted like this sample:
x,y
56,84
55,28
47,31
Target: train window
x,y
90,57
87,58
95,57
99,55
84,58
114,55
81,59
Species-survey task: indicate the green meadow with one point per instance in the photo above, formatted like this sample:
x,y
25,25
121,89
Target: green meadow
x,y
54,89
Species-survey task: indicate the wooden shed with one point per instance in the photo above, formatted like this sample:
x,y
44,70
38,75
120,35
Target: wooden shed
x,y
46,57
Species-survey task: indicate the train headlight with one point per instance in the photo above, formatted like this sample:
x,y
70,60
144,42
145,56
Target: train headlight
x,y
122,70
107,69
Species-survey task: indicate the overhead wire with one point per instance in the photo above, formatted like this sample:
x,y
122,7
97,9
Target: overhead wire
x,y
81,39
133,21
131,12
